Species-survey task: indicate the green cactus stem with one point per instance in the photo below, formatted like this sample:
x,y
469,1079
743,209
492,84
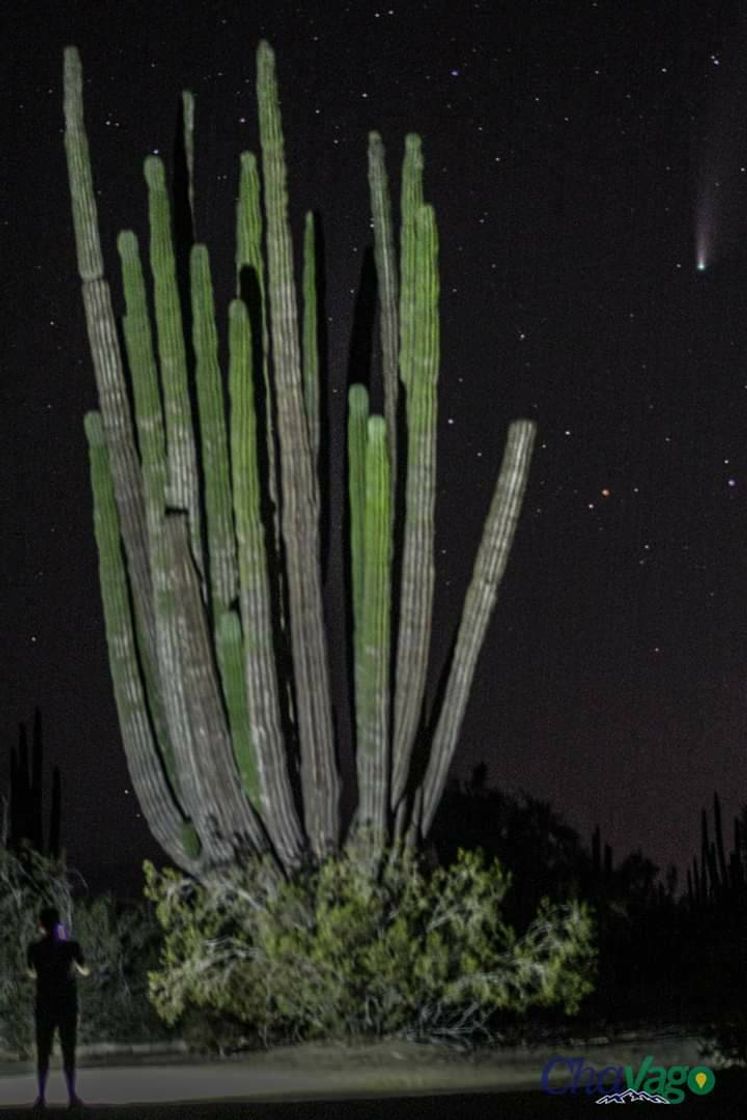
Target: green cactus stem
x,y
249,256
214,441
226,814
357,440
310,337
373,702
386,271
490,564
188,136
149,422
411,201
418,569
265,732
230,645
300,505
147,771
183,483
107,361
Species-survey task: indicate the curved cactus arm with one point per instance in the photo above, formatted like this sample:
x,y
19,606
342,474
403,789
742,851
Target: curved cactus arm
x,y
490,564
149,779
418,571
225,812
373,707
183,482
188,135
149,422
276,795
300,505
214,440
107,360
411,201
357,439
386,271
310,337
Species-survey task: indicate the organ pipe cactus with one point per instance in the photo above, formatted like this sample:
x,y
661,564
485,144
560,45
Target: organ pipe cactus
x,y
208,567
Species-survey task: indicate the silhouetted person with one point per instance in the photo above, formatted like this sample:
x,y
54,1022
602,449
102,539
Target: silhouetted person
x,y
52,962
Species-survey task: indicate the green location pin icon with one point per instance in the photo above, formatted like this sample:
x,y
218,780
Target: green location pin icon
x,y
701,1080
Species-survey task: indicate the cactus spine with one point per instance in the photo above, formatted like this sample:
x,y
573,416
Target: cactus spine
x,y
201,579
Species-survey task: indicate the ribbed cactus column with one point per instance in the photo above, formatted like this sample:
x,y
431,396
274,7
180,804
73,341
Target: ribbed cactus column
x,y
357,440
411,200
310,343
213,438
184,761
490,564
174,833
227,817
149,420
300,488
107,361
188,136
249,258
421,362
183,482
276,797
373,678
386,271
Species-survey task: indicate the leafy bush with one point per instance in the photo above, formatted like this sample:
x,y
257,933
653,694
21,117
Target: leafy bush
x,y
120,943
343,950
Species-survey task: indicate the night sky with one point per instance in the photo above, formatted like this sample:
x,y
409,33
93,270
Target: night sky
x,y
582,159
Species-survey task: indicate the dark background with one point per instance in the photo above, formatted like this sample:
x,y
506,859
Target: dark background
x,y
579,157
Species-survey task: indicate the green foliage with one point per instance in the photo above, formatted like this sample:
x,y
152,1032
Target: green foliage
x,y
340,950
120,944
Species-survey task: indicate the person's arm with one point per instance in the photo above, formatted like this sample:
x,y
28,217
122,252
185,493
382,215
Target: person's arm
x,y
79,961
30,970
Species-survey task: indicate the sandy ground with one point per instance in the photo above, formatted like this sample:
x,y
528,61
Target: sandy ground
x,y
385,1080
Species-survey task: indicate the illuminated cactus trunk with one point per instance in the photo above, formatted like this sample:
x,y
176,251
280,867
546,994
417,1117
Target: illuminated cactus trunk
x,y
206,577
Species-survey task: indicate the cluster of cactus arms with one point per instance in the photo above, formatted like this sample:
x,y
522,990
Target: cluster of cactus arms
x,y
718,877
208,530
23,809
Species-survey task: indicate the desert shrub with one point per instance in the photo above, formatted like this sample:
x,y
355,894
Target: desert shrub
x,y
343,950
120,943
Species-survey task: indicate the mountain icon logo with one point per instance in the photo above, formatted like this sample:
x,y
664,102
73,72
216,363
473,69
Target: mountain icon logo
x,y
631,1096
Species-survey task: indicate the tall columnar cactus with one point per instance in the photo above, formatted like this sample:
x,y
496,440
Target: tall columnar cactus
x,y
208,567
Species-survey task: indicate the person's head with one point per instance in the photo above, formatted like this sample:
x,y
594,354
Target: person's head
x,y
48,920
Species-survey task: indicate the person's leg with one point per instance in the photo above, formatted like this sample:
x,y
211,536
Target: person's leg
x,y
68,1037
44,1033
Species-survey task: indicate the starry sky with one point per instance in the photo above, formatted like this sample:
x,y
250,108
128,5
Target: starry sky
x,y
582,160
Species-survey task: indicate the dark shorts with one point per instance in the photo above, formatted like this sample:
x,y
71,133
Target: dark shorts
x,y
50,1018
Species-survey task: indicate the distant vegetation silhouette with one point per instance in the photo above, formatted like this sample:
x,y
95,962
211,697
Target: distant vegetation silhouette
x,y
664,956
22,817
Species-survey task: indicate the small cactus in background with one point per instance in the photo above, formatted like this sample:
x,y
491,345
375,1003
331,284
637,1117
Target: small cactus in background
x,y
210,565
23,815
716,877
